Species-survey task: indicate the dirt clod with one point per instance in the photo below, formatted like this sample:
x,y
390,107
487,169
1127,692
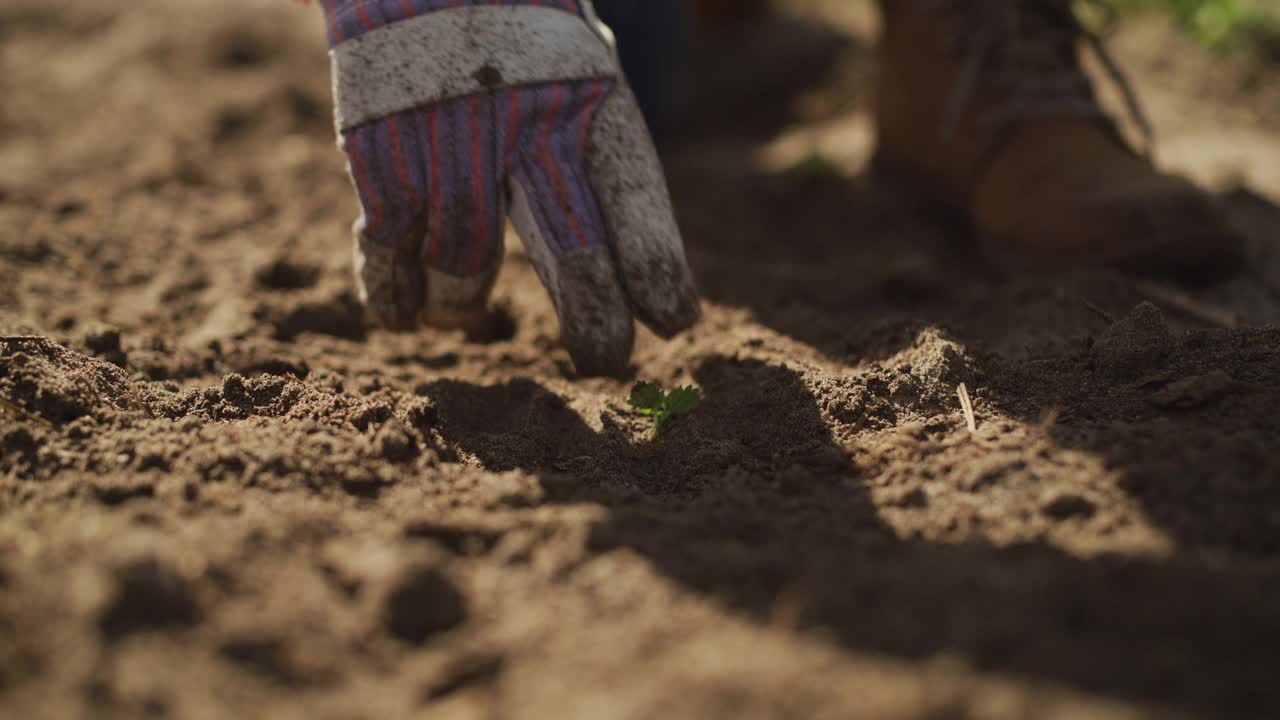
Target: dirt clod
x,y
395,443
60,385
149,594
422,603
1195,391
1137,343
104,340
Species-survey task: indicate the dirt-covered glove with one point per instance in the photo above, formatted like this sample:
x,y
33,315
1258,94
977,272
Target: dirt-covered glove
x,y
456,114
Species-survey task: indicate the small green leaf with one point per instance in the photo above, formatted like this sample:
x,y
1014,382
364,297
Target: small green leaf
x,y
647,398
683,401
663,407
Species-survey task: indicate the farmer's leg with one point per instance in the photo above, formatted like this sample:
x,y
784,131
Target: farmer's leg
x,y
985,105
651,36
652,40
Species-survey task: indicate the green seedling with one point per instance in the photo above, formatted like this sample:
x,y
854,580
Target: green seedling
x,y
1216,24
817,166
650,399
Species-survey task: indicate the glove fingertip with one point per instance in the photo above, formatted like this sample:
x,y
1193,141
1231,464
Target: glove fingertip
x,y
388,285
665,298
596,323
458,303
593,359
635,201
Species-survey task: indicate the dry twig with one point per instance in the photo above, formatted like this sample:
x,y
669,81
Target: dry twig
x,y
1184,303
967,406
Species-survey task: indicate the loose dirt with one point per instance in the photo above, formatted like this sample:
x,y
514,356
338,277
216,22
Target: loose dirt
x,y
222,495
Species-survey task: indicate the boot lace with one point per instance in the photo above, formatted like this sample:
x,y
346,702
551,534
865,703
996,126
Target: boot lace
x,y
1027,49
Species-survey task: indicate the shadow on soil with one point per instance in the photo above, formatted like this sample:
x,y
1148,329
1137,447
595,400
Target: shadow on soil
x,y
754,502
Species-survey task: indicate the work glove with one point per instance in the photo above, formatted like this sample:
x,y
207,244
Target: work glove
x,y
455,115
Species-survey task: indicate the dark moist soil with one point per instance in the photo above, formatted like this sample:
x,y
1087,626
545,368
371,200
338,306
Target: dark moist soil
x,y
221,495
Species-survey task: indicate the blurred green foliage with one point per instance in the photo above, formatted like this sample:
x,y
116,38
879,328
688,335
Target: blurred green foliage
x,y
1219,24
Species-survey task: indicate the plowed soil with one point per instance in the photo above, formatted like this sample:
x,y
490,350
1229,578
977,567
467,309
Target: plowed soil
x,y
222,495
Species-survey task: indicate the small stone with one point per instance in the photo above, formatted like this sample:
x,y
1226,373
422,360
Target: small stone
x,y
1140,342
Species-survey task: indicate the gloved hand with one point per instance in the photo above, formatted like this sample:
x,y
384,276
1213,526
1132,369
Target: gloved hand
x,y
455,115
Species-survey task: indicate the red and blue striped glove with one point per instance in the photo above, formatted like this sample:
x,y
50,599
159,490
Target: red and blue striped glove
x,y
455,115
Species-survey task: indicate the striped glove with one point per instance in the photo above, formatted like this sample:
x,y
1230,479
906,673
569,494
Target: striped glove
x,y
455,115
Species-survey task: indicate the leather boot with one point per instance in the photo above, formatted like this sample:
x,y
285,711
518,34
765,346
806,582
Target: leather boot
x,y
985,104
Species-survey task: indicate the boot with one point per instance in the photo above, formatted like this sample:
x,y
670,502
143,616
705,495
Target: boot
x,y
985,104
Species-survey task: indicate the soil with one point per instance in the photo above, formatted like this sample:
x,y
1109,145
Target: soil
x,y
223,495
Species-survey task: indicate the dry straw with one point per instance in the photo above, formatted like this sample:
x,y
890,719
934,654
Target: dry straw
x,y
967,406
